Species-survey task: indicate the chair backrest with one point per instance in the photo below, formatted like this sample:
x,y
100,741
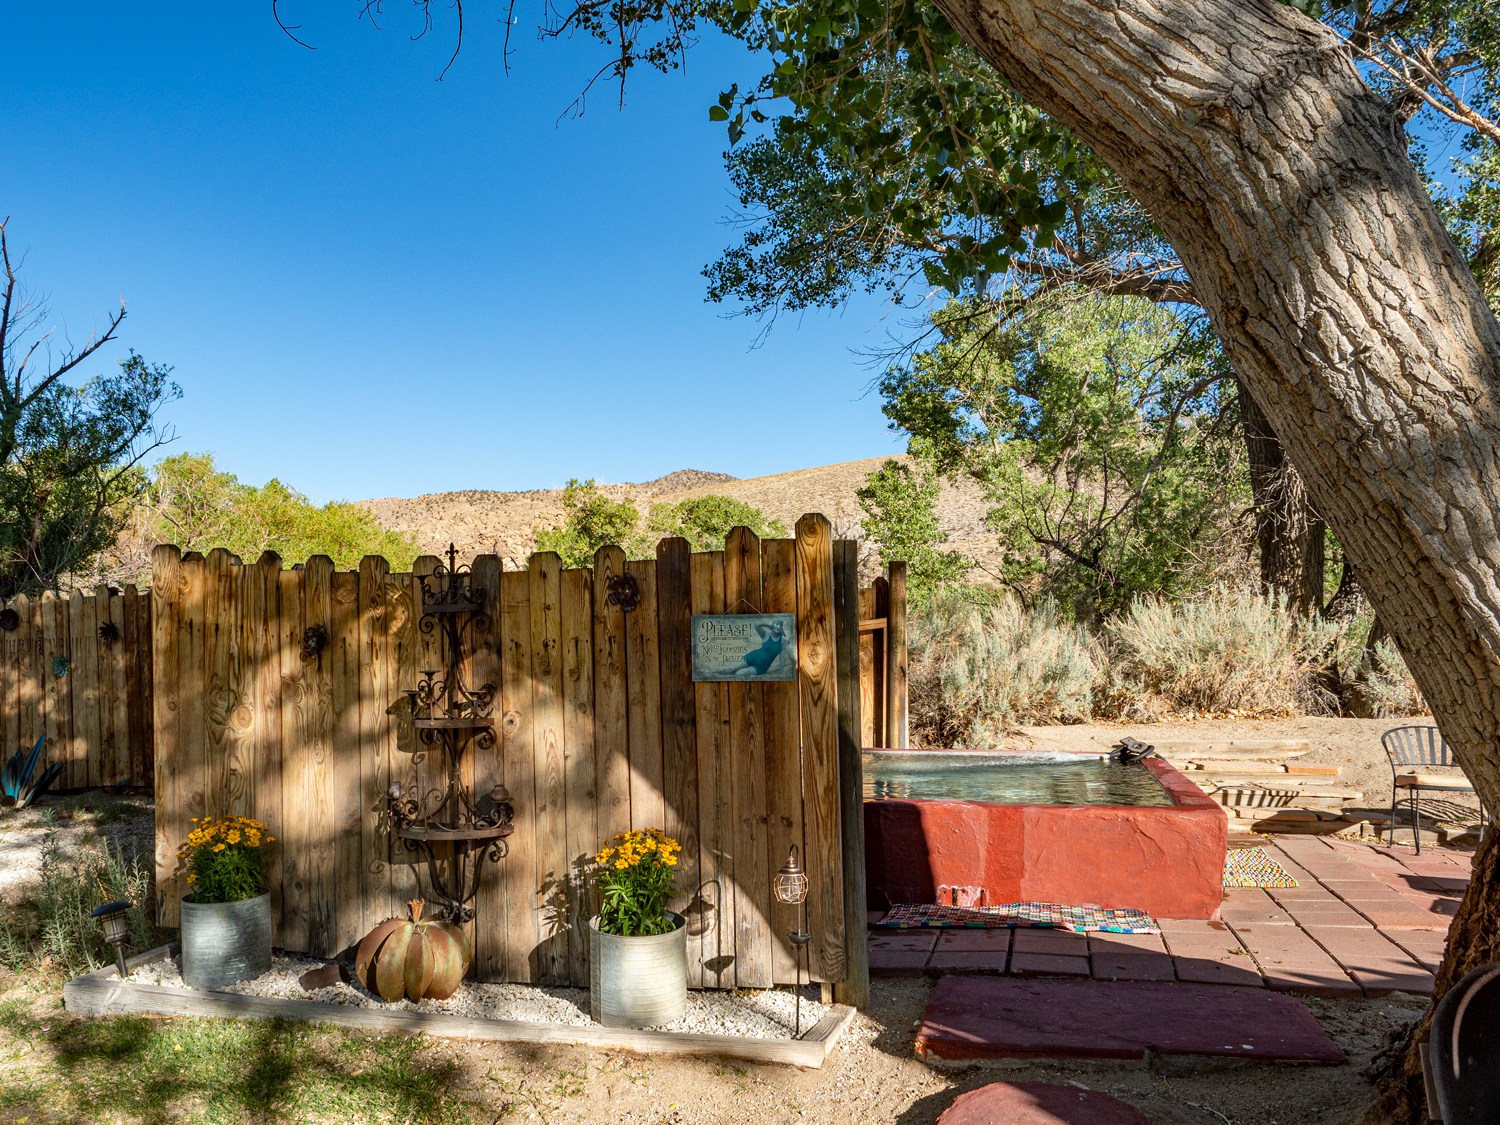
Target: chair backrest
x,y
1465,1048
1416,746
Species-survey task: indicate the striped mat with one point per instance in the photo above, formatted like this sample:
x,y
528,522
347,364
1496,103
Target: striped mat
x,y
1038,915
1254,867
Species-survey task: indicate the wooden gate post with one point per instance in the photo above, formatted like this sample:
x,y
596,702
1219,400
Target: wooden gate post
x,y
855,987
898,734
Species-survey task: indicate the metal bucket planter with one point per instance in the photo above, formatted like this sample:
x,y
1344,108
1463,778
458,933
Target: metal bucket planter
x,y
225,942
637,981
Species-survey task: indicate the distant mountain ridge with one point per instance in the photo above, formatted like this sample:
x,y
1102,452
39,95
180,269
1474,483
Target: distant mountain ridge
x,y
480,521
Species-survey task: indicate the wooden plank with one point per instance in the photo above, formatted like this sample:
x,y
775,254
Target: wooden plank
x,y
489,768
59,690
263,643
422,762
14,697
35,672
747,749
854,989
1263,749
345,811
552,861
579,778
83,650
710,913
103,994
643,714
228,782
817,672
294,825
783,737
898,723
518,869
319,786
135,643
674,610
611,690
166,594
376,694
192,652
114,657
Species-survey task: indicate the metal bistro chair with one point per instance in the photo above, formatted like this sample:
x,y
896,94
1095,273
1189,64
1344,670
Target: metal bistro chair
x,y
1421,746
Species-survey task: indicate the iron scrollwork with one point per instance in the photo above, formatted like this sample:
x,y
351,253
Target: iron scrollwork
x,y
452,833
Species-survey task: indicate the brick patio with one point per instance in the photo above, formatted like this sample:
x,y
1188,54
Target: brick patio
x,y
1362,921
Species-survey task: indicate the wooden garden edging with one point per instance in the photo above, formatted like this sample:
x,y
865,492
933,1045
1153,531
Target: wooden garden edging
x,y
279,694
103,993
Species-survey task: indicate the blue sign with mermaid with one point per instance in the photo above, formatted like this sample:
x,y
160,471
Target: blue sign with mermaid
x,y
757,647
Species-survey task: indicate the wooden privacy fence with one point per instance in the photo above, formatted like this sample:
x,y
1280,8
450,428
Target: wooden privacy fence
x,y
77,669
599,727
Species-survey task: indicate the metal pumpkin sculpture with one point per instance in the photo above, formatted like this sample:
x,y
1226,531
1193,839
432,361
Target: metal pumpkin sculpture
x,y
418,958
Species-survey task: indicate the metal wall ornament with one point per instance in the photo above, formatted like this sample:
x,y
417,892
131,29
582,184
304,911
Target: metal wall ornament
x,y
445,826
624,591
9,619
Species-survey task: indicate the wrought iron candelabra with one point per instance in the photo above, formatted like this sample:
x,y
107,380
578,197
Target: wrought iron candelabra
x,y
443,823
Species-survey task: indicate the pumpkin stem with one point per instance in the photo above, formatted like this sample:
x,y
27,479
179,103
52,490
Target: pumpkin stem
x,y
415,905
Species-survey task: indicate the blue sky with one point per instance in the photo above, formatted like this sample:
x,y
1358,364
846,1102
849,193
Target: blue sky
x,y
373,283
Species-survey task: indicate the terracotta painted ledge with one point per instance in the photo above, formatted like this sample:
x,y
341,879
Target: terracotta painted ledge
x,y
103,993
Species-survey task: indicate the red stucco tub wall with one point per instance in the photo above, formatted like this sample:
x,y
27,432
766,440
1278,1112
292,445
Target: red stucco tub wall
x,y
1167,861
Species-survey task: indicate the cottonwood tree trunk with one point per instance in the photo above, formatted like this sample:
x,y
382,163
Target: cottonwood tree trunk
x,y
1289,533
1244,129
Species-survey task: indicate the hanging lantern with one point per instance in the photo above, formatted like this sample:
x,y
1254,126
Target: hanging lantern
x,y
790,884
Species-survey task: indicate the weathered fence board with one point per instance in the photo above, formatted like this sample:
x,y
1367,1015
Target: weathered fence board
x,y
280,693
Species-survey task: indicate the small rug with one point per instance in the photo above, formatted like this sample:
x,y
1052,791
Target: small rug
x,y
1254,867
1037,915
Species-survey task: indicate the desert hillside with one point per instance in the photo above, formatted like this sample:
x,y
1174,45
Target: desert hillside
x,y
505,523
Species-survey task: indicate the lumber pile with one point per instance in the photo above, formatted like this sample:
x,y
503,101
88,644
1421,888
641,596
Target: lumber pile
x,y
1263,789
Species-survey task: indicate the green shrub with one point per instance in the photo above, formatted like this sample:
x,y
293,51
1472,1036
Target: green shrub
x,y
56,930
1225,652
980,668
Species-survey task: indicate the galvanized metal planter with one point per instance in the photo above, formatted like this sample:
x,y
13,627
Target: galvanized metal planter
x,y
637,981
225,942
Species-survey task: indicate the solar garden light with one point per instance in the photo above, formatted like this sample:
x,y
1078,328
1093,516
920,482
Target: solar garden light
x,y
112,916
790,887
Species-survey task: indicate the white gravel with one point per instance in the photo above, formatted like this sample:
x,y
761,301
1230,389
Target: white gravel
x,y
749,1013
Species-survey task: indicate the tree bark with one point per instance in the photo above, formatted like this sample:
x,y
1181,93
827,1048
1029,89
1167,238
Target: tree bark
x,y
1289,533
1243,127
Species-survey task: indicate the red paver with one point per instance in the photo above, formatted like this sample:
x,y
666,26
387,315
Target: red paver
x,y
1132,965
1292,961
1403,915
900,953
1374,962
1027,939
1253,907
1039,1103
1100,942
974,940
1048,964
1004,1017
967,961
1333,913
1425,946
1212,958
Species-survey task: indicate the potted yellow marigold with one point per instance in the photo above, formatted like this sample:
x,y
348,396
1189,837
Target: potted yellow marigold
x,y
637,947
226,912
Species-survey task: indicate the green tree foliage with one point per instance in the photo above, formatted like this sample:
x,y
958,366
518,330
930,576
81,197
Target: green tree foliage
x,y
705,522
197,506
1091,423
593,520
900,505
69,451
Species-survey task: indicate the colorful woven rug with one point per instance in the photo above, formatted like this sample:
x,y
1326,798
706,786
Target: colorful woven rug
x,y
1254,867
1038,915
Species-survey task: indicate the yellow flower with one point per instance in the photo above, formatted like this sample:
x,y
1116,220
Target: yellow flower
x,y
233,836
669,860
218,847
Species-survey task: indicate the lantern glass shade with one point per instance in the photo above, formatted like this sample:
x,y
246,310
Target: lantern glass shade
x,y
112,916
790,884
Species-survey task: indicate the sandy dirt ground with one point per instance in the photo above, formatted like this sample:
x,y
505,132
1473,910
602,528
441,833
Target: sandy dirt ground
x,y
873,1076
